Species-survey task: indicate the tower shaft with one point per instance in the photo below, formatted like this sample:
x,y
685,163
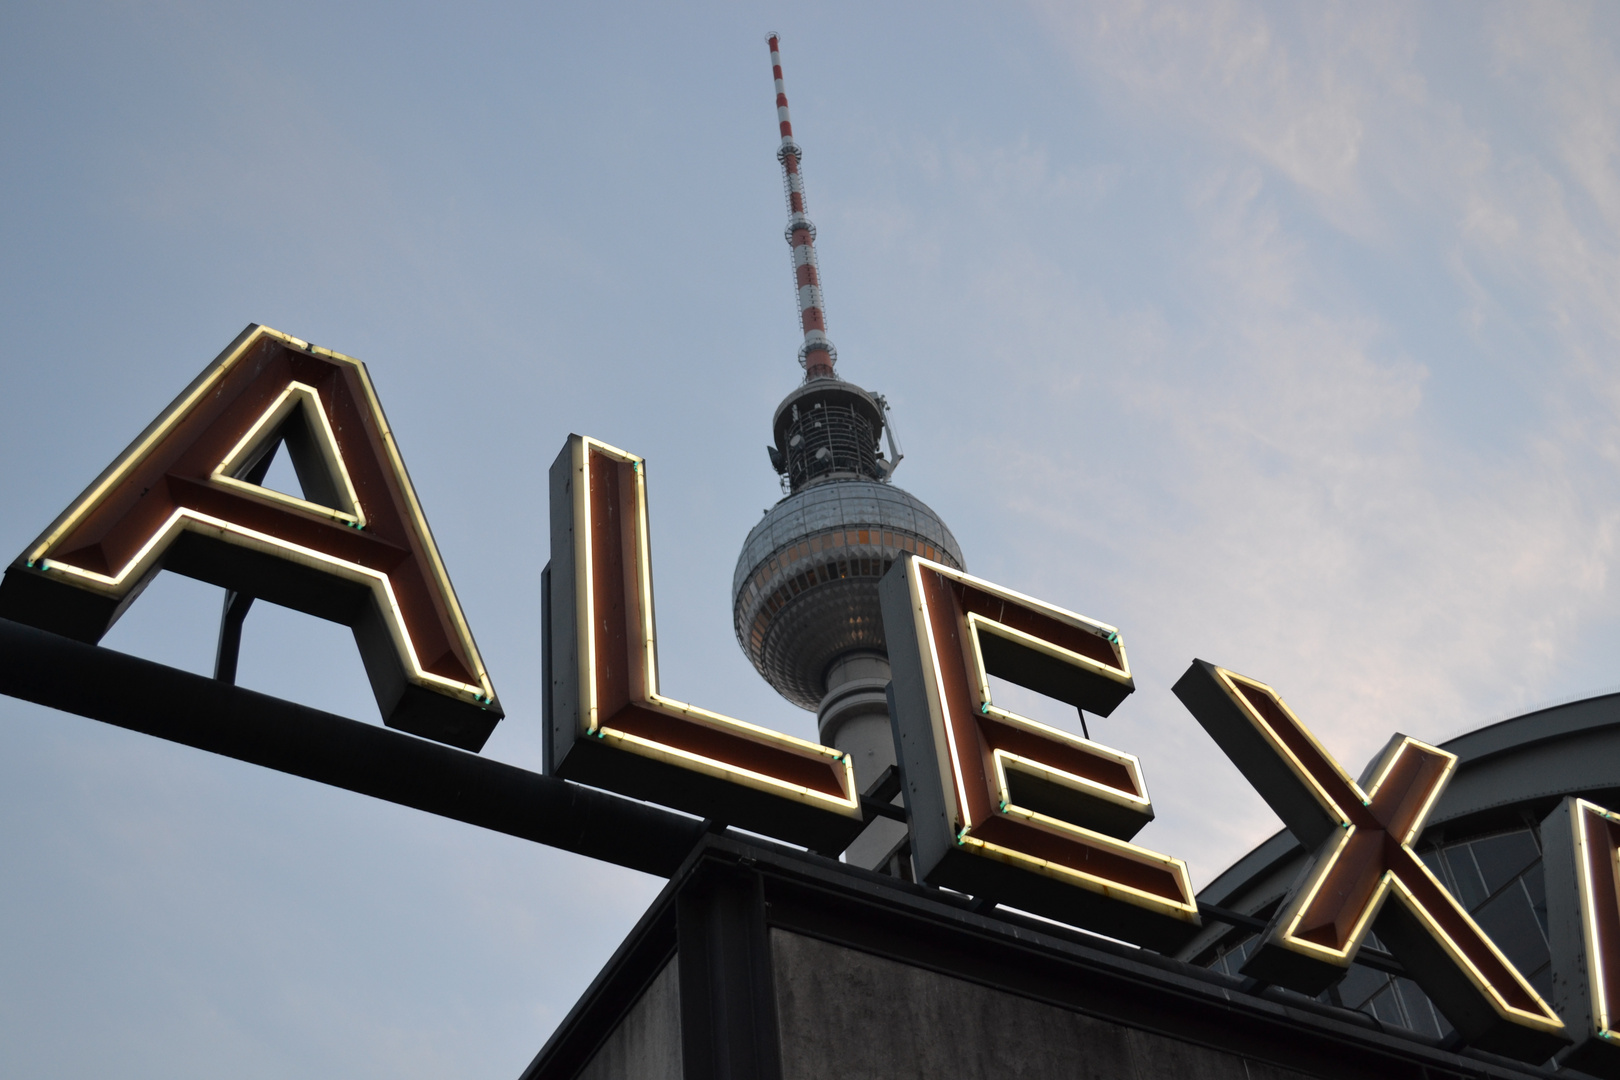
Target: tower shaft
x,y
817,354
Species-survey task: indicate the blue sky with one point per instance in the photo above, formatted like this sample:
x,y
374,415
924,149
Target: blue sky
x,y
1282,336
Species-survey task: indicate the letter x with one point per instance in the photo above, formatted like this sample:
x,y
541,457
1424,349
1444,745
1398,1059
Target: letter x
x,y
1361,840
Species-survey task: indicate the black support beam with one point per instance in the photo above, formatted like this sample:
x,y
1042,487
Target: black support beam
x,y
151,698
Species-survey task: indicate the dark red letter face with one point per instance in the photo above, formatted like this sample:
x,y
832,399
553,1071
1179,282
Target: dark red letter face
x,y
1004,807
1580,844
1363,857
610,727
356,550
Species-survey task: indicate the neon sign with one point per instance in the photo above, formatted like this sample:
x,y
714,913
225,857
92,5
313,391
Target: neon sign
x,y
356,549
1581,845
607,723
1003,806
999,806
1361,843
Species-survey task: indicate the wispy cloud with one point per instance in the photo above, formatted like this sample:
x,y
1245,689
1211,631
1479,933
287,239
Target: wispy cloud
x,y
1271,463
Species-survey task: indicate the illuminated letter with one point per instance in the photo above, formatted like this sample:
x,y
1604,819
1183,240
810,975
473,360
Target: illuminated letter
x,y
1003,807
607,724
1361,845
1580,844
357,550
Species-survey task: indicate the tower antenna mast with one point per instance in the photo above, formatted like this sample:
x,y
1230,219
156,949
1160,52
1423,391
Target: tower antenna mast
x,y
817,355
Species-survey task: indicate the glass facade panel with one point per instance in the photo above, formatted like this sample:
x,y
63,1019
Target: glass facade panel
x,y
1231,960
1419,1010
1502,858
1535,883
1470,886
1542,982
1360,984
1510,922
1387,1007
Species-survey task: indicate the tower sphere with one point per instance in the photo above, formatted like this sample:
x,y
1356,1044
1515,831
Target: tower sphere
x,y
805,592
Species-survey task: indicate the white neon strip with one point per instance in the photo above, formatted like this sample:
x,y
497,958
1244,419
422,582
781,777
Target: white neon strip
x,y
1369,912
1545,1021
724,771
1129,762
585,581
1183,909
418,518
1390,883
205,385
1613,864
849,804
185,519
925,637
1186,910
644,586
1407,742
1307,895
1231,679
1079,622
144,445
1596,968
1005,760
1034,644
296,395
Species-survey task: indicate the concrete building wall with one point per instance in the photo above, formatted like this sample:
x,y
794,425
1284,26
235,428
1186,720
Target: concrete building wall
x,y
647,1043
848,1015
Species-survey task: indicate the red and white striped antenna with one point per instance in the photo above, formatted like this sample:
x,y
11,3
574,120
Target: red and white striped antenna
x,y
817,355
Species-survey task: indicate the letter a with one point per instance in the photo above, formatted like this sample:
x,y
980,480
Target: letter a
x,y
356,550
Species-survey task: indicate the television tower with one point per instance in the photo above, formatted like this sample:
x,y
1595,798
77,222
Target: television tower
x,y
805,592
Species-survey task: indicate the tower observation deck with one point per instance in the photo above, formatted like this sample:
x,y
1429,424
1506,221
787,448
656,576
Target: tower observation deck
x,y
805,592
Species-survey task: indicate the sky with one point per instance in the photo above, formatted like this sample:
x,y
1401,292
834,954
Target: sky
x,y
1282,336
